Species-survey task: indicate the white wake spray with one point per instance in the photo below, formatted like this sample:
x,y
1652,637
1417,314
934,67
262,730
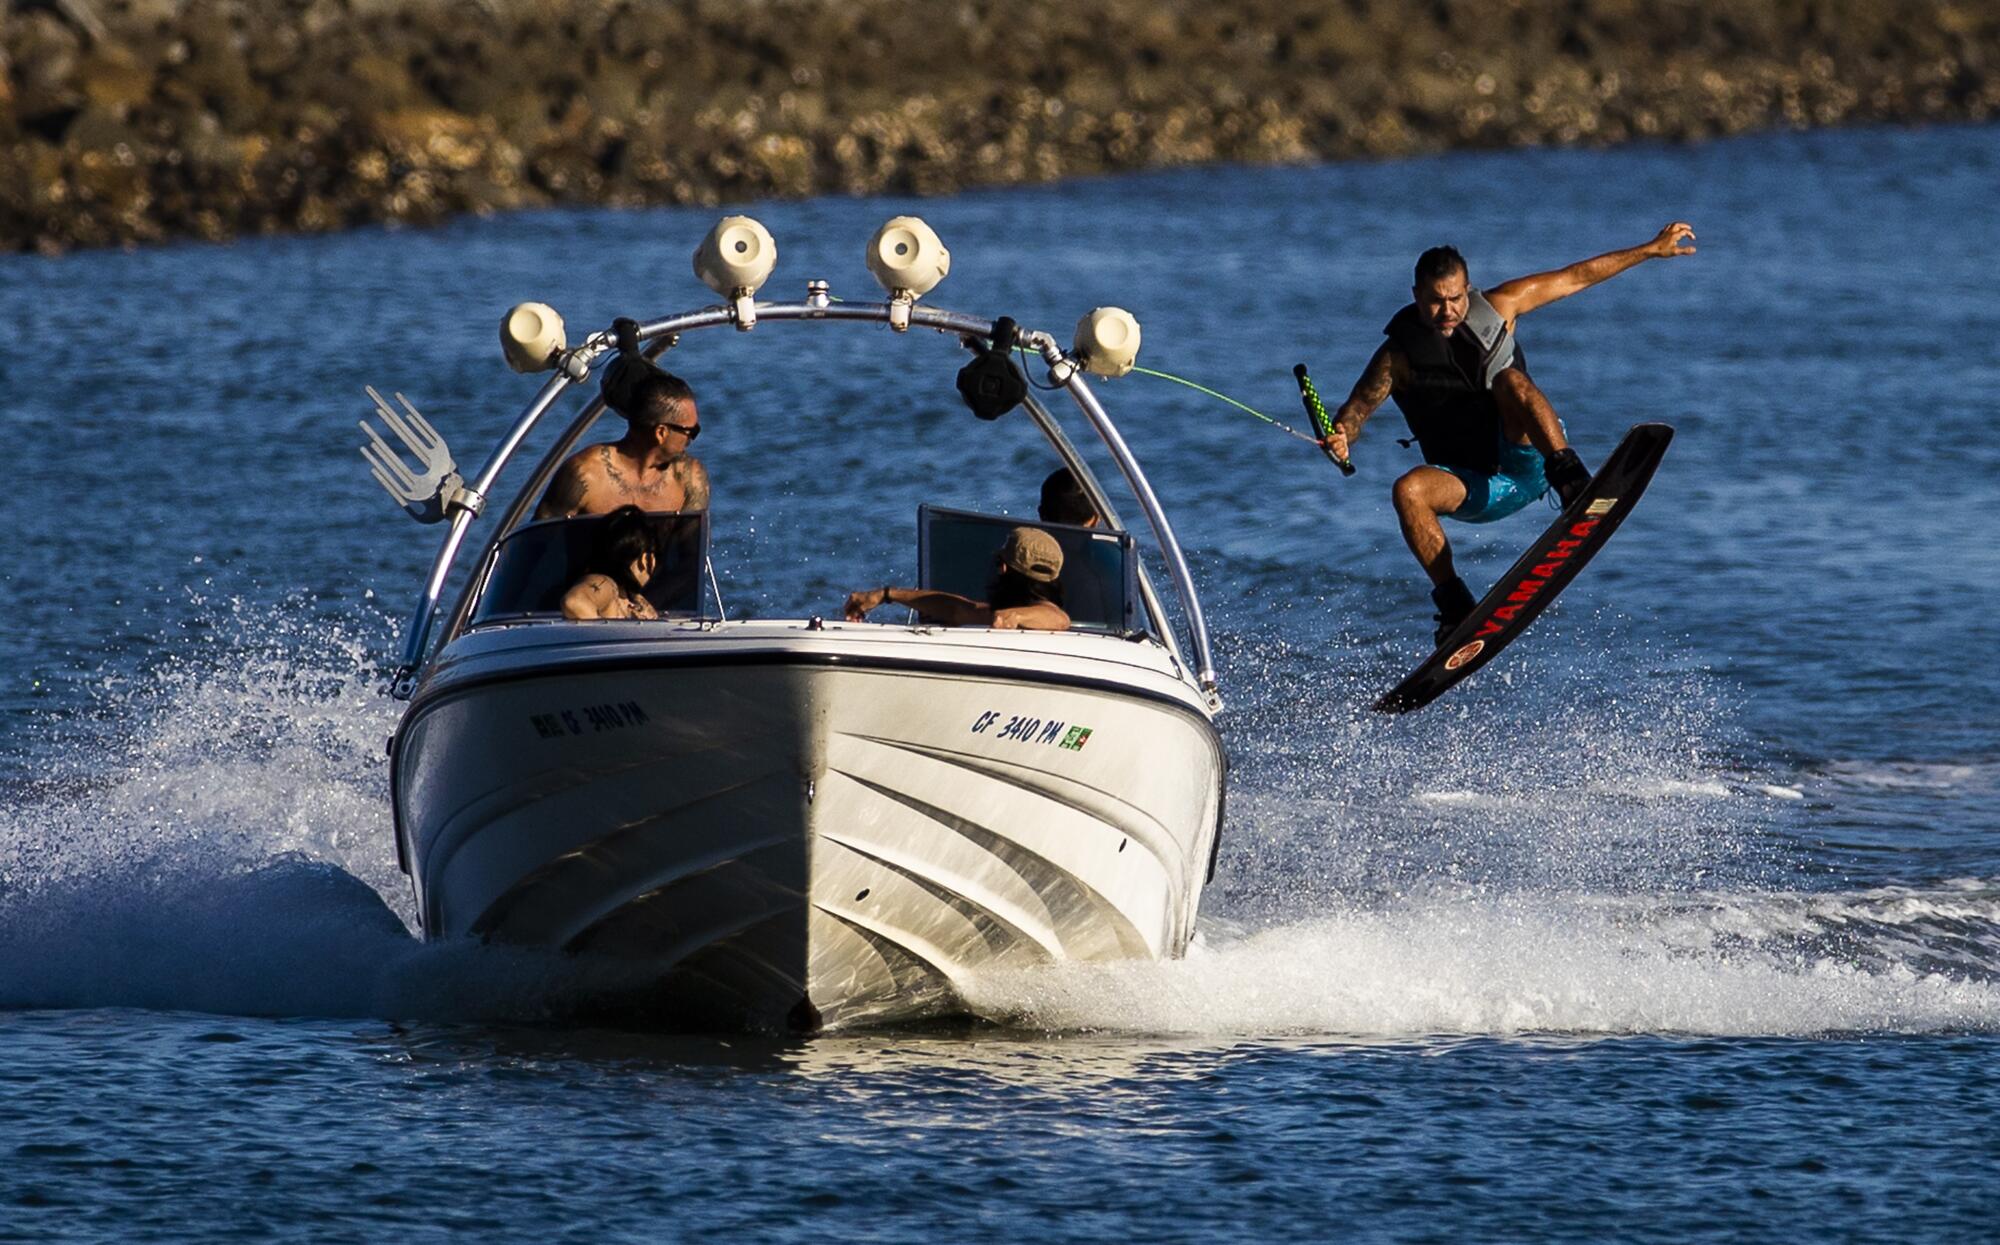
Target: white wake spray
x,y
1469,964
1568,866
218,838
223,843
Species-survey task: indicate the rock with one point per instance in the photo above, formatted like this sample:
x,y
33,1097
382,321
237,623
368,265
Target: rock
x,y
44,54
113,79
254,115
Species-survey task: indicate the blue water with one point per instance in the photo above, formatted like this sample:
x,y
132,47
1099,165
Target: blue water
x,y
1680,921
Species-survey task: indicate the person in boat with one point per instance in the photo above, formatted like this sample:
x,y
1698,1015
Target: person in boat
x,y
1023,596
1063,500
1490,440
650,466
621,565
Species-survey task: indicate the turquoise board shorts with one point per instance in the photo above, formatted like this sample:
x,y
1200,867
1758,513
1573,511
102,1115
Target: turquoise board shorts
x,y
1489,497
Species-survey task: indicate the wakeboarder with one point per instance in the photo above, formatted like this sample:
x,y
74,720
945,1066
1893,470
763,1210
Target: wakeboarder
x,y
1490,439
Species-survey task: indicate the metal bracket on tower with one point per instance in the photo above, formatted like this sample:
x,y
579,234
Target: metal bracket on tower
x,y
436,491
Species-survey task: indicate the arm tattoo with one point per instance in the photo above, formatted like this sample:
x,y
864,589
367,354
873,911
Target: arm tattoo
x,y
565,495
1369,392
694,487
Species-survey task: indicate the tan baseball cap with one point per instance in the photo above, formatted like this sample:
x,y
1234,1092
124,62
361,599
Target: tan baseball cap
x,y
1034,553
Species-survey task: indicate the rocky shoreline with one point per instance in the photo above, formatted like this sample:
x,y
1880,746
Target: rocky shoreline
x,y
131,121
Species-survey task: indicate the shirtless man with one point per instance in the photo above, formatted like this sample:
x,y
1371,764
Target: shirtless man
x,y
1491,441
649,467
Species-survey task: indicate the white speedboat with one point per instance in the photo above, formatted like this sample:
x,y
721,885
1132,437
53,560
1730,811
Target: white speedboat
x,y
802,822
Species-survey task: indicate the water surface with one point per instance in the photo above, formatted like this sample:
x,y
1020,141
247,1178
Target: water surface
x,y
1679,921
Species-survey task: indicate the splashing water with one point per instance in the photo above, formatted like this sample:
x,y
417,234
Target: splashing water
x,y
1459,963
215,836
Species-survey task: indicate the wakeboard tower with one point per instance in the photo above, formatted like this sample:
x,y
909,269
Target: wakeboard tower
x,y
1540,573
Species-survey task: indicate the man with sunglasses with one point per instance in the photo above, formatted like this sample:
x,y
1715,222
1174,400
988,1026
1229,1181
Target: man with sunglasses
x,y
649,467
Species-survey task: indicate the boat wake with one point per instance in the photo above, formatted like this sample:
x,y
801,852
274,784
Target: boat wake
x,y
216,838
1466,963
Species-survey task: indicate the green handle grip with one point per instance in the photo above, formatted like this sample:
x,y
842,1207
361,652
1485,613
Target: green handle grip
x,y
1322,422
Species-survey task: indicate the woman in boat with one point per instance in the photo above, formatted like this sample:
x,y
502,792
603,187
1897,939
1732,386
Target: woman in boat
x,y
1023,595
620,567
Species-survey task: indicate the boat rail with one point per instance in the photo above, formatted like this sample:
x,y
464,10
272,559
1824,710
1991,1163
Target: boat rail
x,y
657,335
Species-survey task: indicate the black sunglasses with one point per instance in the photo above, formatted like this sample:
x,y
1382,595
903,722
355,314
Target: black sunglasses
x,y
690,431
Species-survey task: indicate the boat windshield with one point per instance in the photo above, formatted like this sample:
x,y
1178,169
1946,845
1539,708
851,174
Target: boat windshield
x,y
537,563
1099,581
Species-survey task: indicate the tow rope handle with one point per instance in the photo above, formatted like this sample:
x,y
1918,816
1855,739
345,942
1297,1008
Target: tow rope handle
x,y
1322,422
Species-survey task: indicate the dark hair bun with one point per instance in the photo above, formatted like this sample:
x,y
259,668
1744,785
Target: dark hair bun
x,y
622,378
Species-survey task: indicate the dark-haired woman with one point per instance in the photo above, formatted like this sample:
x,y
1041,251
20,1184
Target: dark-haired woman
x,y
620,567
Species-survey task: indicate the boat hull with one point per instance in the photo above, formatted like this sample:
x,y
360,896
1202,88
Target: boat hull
x,y
808,837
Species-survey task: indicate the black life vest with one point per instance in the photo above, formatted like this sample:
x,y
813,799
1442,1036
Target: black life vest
x,y
1448,399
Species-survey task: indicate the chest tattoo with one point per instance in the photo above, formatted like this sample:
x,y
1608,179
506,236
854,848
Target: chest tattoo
x,y
611,471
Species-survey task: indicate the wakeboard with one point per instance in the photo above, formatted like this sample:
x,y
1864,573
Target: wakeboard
x,y
1540,573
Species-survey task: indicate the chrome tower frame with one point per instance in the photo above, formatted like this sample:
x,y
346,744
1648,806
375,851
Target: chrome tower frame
x,y
575,365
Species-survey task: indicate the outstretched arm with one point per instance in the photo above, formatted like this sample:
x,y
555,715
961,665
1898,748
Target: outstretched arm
x,y
1523,294
1371,391
942,607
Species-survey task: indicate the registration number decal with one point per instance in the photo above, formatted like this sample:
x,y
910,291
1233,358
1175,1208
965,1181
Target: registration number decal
x,y
588,720
1020,728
